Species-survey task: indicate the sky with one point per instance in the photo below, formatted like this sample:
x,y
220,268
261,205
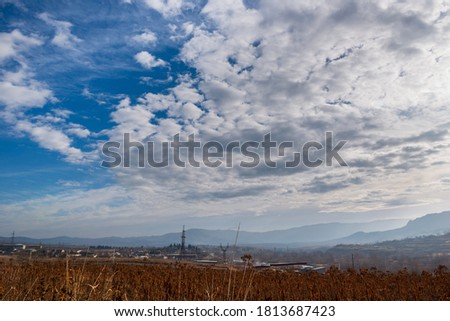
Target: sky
x,y
75,75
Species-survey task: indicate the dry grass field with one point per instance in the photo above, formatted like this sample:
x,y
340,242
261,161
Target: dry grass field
x,y
106,280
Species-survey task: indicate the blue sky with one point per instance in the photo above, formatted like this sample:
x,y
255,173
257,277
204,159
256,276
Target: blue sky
x,y
75,74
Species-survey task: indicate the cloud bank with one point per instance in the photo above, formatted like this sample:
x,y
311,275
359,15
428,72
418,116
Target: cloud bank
x,y
375,73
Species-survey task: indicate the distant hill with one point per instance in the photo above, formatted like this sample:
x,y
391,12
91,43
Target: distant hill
x,y
438,245
328,234
430,224
309,234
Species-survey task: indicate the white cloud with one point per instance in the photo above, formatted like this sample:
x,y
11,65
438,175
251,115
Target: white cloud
x,y
63,36
67,183
374,73
190,111
131,119
63,113
78,131
298,69
68,211
20,92
18,89
148,61
146,38
15,95
13,42
188,28
52,139
168,8
187,93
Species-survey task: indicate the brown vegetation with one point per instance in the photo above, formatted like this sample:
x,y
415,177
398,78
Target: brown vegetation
x,y
94,280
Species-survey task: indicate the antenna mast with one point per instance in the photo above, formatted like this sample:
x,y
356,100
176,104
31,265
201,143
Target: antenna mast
x,y
235,240
224,251
183,242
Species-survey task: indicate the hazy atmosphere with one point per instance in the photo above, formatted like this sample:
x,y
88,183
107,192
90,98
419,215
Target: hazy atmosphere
x,y
75,75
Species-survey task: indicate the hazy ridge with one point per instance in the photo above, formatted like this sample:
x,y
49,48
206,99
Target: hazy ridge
x,y
327,234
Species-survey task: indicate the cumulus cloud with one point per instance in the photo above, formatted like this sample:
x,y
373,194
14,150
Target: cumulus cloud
x,y
51,139
78,131
15,95
373,73
145,38
368,72
147,60
13,42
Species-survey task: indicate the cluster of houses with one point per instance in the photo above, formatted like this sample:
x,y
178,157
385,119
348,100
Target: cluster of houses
x,y
203,256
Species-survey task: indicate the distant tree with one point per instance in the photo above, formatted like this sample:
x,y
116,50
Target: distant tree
x,y
248,259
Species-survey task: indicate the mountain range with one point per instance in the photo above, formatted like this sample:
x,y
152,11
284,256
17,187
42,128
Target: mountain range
x,y
326,234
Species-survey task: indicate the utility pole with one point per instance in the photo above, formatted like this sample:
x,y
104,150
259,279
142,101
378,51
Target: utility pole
x,y
13,238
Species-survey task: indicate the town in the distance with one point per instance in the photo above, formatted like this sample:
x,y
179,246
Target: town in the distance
x,y
420,244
